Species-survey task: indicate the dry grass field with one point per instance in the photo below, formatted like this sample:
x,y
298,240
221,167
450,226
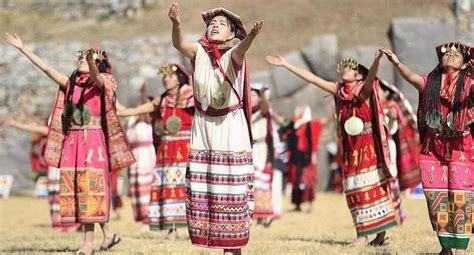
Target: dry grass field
x,y
25,229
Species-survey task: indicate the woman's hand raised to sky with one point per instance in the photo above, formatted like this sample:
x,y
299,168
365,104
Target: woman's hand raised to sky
x,y
391,56
173,14
257,27
13,40
277,60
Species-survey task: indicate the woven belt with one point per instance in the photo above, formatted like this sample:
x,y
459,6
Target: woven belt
x,y
448,134
95,123
367,128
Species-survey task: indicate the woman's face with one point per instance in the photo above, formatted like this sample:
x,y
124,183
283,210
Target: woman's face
x,y
170,81
82,65
255,98
452,60
218,30
350,75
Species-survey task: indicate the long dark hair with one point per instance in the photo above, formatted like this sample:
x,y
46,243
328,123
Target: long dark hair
x,y
432,93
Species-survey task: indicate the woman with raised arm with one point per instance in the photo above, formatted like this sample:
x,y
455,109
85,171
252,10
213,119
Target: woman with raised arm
x,y
445,119
173,110
85,141
364,142
220,172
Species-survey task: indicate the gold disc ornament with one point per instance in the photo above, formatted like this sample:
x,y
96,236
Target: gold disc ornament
x,y
173,124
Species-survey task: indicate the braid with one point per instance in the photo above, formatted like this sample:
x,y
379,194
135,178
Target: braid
x,y
431,97
459,88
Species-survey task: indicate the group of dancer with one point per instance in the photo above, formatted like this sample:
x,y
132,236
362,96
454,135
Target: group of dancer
x,y
203,154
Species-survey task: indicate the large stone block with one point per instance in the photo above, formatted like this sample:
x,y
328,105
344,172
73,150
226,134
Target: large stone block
x,y
414,41
365,56
287,83
322,54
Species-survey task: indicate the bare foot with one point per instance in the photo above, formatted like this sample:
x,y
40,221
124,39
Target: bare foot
x,y
86,249
445,251
172,235
360,241
232,251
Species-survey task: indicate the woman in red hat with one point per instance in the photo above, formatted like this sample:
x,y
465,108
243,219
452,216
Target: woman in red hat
x,y
220,172
85,140
364,142
173,111
445,119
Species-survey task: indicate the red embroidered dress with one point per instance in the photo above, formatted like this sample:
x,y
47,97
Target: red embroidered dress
x,y
366,185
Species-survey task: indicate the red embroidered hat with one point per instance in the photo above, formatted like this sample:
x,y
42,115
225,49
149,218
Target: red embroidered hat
x,y
208,15
466,50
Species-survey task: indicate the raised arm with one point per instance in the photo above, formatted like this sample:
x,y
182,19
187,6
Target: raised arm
x,y
367,89
56,76
306,75
148,107
238,55
188,49
37,129
413,78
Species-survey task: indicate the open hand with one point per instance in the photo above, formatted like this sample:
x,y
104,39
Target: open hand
x,y
257,27
378,54
13,40
276,60
391,56
470,66
173,14
90,55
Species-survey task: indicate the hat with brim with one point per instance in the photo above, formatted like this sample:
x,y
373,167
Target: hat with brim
x,y
208,15
466,50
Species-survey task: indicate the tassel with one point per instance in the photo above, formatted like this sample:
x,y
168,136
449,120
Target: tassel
x,y
89,156
466,173
444,177
462,158
84,137
447,155
426,148
432,169
452,178
101,158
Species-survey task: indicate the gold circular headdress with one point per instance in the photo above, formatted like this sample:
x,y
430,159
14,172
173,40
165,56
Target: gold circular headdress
x,y
98,54
167,69
348,62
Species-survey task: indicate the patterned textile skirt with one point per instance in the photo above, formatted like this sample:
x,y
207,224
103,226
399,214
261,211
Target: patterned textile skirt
x,y
167,209
369,198
219,182
53,190
140,178
263,194
448,187
84,189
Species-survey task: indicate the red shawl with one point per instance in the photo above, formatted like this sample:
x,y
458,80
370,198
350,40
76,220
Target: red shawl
x,y
118,148
378,122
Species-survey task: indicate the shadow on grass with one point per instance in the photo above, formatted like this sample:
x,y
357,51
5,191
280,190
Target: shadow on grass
x,y
31,250
312,240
